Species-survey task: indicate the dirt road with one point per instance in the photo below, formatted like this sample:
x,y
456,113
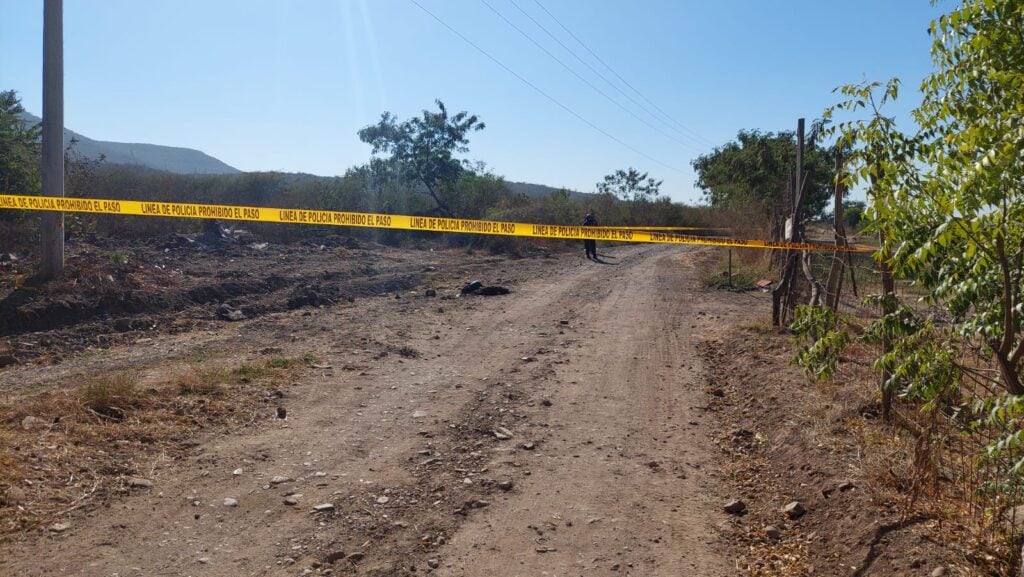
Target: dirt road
x,y
554,431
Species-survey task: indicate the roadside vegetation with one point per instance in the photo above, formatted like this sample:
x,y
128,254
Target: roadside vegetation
x,y
69,447
946,201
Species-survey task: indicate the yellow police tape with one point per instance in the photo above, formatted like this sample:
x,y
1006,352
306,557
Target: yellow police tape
x,y
671,228
391,221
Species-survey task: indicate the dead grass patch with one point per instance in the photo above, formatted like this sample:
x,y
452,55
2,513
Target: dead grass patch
x,y
111,396
210,383
71,444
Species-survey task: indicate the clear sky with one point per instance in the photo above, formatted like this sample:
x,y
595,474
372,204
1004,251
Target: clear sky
x,y
275,85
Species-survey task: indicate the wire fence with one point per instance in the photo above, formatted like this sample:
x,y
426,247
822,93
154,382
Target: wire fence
x,y
960,463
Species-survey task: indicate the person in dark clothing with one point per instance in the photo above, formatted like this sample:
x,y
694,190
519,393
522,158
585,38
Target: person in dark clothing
x,y
590,245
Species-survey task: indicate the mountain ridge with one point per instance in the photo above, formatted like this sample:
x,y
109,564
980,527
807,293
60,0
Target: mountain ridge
x,y
174,159
182,160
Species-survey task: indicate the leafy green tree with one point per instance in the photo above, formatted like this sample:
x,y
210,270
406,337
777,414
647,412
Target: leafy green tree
x,y
630,185
477,191
19,148
757,168
424,149
853,214
948,200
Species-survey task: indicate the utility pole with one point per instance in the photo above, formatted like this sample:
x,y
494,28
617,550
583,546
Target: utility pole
x,y
52,224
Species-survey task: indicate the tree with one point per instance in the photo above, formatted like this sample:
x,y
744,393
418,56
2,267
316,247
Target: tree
x,y
948,200
853,214
757,168
630,185
424,149
19,148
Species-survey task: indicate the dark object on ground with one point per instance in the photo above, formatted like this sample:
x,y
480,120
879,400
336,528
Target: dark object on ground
x,y
477,287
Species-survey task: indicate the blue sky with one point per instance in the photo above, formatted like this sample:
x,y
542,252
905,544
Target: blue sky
x,y
274,85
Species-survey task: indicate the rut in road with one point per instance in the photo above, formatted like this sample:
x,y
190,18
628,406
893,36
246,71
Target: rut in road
x,y
591,370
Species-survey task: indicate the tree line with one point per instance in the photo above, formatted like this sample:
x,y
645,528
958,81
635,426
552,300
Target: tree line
x,y
416,166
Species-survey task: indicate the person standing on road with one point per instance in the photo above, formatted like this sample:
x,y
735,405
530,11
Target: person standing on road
x,y
589,244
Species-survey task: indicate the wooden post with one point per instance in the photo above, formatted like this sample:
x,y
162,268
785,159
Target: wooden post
x,y
730,268
52,223
782,294
799,191
834,285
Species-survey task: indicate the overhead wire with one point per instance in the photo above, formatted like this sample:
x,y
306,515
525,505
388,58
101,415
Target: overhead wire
x,y
602,76
537,89
585,81
619,76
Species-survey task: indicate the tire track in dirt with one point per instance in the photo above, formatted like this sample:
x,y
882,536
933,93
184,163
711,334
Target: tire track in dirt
x,y
618,481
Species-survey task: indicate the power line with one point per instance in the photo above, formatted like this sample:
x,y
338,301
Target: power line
x,y
545,94
617,75
600,75
585,81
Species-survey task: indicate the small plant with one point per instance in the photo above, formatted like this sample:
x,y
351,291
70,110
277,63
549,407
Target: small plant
x,y
281,363
111,396
289,362
117,257
826,339
312,359
249,373
203,383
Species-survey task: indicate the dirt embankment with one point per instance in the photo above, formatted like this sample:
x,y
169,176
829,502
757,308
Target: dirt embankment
x,y
115,294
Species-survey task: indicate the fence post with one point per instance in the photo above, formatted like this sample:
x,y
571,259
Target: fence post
x,y
834,285
730,268
782,295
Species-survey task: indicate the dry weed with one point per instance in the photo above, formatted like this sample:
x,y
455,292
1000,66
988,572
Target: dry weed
x,y
65,445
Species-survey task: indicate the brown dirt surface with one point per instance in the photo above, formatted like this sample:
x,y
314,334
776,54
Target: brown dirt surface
x,y
593,421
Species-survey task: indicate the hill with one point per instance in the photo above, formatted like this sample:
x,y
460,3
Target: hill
x,y
542,190
168,158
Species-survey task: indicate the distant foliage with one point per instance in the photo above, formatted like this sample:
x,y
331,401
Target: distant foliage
x,y
630,185
19,148
757,169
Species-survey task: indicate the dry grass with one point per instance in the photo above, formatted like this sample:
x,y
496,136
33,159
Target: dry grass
x,y
924,465
111,396
748,266
69,444
209,383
